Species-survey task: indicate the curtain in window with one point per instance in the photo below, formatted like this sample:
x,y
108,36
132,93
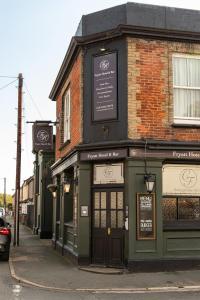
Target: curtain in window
x,y
186,78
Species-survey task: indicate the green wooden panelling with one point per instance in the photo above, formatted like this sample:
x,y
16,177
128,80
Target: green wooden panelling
x,y
135,184
181,244
84,198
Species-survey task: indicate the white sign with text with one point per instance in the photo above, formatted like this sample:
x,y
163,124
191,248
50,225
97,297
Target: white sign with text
x,y
108,173
181,180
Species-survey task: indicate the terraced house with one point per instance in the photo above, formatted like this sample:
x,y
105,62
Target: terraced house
x,y
126,179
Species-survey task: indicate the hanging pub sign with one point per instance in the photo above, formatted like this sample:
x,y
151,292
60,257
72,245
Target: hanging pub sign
x,y
105,87
146,216
42,137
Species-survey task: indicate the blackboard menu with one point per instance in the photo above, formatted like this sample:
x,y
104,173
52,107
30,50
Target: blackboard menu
x,y
146,216
105,87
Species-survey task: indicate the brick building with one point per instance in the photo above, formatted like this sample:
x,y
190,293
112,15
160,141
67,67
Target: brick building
x,y
128,112
27,202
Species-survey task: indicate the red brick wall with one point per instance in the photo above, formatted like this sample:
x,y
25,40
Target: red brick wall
x,y
150,90
74,81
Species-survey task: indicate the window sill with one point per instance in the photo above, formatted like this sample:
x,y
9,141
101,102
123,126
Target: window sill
x,y
185,125
64,144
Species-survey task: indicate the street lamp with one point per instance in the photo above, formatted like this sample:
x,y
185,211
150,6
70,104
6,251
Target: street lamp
x,y
149,180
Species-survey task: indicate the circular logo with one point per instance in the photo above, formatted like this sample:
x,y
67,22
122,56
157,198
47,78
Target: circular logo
x,y
42,136
108,172
188,178
104,65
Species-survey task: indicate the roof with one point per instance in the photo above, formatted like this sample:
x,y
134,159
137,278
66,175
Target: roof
x,y
142,15
130,18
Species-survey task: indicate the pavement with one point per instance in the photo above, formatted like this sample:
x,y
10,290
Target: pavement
x,y
35,262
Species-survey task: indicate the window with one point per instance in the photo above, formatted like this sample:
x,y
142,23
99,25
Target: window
x,y
186,89
66,119
182,210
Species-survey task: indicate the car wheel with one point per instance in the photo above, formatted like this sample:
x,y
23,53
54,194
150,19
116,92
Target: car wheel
x,y
5,256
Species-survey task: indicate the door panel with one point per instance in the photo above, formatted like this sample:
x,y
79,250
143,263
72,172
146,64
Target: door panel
x,y
107,227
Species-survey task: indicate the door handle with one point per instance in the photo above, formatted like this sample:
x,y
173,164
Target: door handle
x,y
109,230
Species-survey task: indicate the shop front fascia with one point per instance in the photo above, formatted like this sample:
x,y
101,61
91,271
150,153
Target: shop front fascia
x,y
111,209
177,198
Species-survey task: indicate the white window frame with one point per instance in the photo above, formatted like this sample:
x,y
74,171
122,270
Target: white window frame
x,y
178,119
67,115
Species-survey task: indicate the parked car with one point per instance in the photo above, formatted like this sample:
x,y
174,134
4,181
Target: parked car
x,y
5,239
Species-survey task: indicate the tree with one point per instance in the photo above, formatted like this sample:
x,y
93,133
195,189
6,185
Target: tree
x,y
8,199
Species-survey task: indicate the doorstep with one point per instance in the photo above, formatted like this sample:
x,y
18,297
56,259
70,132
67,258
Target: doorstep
x,y
102,270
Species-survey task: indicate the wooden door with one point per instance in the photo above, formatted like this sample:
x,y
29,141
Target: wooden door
x,y
108,227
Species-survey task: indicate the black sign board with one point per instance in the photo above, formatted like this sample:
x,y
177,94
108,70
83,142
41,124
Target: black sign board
x,y
146,216
105,87
171,154
42,138
103,155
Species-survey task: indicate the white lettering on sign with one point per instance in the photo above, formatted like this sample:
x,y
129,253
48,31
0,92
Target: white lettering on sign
x,y
101,155
189,154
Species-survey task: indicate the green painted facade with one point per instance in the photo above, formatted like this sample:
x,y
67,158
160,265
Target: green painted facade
x,y
167,245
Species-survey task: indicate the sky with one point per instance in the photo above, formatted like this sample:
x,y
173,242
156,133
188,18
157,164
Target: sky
x,y
34,37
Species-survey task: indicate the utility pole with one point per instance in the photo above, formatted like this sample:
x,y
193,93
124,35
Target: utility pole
x,y
18,162
4,195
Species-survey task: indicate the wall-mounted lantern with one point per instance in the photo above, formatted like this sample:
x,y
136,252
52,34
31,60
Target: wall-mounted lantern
x,y
66,186
149,180
52,188
54,194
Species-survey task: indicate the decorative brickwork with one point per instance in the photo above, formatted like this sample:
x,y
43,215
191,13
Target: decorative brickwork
x,y
150,90
75,82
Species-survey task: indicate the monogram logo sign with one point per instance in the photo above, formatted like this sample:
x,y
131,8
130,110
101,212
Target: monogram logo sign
x,y
104,65
188,177
42,138
179,179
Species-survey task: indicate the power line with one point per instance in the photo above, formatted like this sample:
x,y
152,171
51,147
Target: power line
x,y
34,103
8,76
6,85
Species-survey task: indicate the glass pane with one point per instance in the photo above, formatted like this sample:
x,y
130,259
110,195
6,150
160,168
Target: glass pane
x,y
96,219
120,220
169,209
103,200
103,219
193,73
96,200
180,71
186,103
188,209
113,200
113,219
120,200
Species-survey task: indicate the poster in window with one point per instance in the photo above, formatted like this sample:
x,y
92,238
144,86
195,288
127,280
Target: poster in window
x,y
146,216
105,87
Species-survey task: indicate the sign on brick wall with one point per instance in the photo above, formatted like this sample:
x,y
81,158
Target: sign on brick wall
x,y
105,87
